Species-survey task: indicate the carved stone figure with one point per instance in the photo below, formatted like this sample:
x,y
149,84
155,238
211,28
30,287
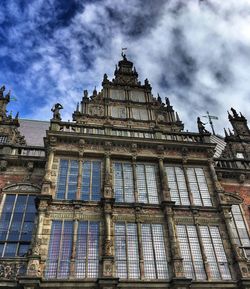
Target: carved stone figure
x,y
56,111
201,126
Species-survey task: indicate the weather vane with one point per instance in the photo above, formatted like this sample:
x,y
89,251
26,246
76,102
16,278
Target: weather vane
x,y
210,117
123,49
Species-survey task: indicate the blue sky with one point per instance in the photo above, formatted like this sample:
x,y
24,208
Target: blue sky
x,y
195,52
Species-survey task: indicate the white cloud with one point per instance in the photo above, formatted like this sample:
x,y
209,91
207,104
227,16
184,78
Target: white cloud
x,y
195,52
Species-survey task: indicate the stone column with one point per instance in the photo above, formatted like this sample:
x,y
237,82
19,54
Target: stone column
x,y
49,164
164,182
46,187
177,266
79,178
73,255
34,259
135,179
213,174
107,202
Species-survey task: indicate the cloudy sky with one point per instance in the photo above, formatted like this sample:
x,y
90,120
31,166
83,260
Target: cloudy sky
x,y
196,52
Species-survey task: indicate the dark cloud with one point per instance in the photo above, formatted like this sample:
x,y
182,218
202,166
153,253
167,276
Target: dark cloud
x,y
194,52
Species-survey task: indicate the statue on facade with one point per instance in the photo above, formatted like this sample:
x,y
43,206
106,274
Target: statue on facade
x,y
201,126
56,111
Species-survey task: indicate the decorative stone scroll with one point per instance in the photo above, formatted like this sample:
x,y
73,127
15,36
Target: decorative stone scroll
x,y
22,187
11,270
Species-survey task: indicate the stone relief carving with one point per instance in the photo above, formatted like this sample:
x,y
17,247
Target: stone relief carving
x,y
10,270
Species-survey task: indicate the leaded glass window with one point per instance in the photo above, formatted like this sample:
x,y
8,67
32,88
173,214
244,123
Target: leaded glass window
x,y
16,224
177,185
215,252
60,249
191,252
198,187
147,183
91,180
154,253
67,179
239,228
87,250
123,182
127,251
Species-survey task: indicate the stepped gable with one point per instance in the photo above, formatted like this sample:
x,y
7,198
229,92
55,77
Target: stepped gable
x,y
126,98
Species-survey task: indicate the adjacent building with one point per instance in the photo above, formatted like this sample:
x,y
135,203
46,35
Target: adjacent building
x,y
122,197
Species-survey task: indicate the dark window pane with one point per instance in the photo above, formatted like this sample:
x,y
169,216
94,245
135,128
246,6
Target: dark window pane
x,y
22,250
10,250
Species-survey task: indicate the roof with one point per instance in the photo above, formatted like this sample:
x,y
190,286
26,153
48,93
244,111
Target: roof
x,y
34,131
220,144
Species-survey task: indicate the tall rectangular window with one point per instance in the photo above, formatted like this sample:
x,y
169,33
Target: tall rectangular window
x,y
154,254
60,250
91,181
177,185
67,179
16,224
67,182
147,184
239,227
191,252
86,261
127,251
215,253
87,250
198,187
123,182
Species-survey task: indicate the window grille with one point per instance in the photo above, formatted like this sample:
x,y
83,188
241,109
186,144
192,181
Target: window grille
x,y
215,253
87,250
3,139
123,182
177,185
239,227
91,180
61,245
16,224
67,183
191,252
127,251
198,187
147,183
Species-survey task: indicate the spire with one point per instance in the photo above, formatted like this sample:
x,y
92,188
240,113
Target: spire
x,y
125,73
225,131
94,92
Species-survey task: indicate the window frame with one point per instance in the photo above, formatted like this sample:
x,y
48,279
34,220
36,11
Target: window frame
x,y
18,242
136,194
140,244
73,251
79,179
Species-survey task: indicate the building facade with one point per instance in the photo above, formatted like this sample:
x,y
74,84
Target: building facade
x,y
121,197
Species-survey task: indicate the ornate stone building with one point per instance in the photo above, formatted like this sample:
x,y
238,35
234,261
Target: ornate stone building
x,y
121,197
